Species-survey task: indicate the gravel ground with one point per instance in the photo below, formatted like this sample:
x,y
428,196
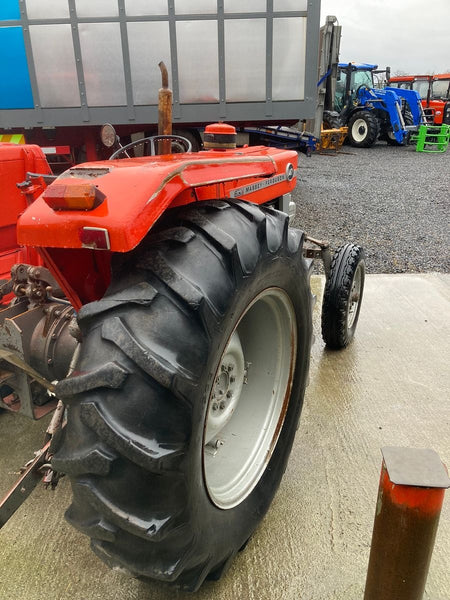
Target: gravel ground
x,y
393,201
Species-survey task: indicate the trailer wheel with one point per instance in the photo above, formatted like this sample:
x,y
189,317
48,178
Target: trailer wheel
x,y
363,129
183,410
343,296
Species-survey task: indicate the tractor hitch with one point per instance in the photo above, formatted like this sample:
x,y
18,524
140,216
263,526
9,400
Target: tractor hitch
x,y
321,251
33,472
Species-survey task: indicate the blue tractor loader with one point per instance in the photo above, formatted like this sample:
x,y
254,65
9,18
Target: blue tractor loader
x,y
388,114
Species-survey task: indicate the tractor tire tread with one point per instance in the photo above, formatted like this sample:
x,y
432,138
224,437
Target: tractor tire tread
x,y
373,129
331,119
114,451
336,294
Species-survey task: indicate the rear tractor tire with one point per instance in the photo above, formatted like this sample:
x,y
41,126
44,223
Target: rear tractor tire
x,y
184,407
343,296
363,129
331,120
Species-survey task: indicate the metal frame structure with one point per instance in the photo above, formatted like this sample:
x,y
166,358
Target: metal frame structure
x,y
130,112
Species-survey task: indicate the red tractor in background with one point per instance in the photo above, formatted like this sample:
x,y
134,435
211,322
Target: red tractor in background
x,y
434,91
167,313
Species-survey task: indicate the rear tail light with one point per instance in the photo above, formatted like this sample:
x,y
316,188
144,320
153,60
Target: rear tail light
x,y
73,197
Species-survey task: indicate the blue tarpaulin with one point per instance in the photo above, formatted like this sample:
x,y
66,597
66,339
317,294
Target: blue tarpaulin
x,y
15,86
9,9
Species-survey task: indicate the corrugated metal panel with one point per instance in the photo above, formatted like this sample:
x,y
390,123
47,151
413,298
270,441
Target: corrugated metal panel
x,y
101,50
198,85
245,69
56,72
145,74
47,9
227,59
289,51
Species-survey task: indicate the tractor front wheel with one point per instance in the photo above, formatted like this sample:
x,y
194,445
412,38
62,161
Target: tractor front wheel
x,y
184,407
363,129
343,296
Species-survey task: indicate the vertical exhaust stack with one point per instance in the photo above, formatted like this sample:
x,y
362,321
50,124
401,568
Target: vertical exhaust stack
x,y
164,111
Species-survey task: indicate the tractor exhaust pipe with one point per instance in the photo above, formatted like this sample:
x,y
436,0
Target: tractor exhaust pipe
x,y
164,111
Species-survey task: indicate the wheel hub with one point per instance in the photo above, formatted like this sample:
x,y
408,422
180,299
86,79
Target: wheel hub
x,y
359,130
227,388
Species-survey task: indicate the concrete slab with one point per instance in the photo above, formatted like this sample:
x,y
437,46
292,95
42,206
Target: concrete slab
x,y
390,387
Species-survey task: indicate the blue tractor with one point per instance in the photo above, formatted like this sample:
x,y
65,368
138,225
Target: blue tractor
x,y
389,114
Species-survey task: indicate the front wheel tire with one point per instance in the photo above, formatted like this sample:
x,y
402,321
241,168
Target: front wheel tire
x,y
190,385
363,129
343,296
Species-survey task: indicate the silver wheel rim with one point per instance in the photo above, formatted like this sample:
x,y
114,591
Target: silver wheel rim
x,y
249,398
359,130
355,296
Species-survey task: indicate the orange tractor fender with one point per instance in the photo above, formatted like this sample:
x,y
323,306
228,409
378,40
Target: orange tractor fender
x,y
97,209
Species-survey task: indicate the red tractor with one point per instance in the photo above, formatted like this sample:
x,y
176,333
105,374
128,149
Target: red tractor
x,y
434,91
170,320
438,100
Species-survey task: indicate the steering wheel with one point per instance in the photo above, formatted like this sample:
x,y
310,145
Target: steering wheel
x,y
362,86
181,145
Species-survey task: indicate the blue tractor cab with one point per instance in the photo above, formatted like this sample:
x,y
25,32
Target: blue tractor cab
x,y
369,113
356,75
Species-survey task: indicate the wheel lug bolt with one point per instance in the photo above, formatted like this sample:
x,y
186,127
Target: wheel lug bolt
x,y
222,405
229,394
230,367
232,379
223,368
215,406
221,392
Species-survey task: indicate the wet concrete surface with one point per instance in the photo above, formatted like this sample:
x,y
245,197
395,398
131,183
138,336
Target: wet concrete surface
x,y
390,387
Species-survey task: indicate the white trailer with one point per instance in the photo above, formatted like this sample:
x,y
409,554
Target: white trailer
x,y
78,64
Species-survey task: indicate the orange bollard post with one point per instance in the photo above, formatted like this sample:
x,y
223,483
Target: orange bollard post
x,y
410,496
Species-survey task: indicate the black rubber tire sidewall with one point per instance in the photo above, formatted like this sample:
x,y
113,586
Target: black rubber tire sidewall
x,y
205,536
373,129
331,120
335,331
